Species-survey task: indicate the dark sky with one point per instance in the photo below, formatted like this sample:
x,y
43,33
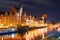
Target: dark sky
x,y
35,7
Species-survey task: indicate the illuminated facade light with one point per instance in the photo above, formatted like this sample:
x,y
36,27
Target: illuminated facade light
x,y
11,24
2,24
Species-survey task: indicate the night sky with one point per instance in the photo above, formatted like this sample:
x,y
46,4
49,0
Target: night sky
x,y
35,7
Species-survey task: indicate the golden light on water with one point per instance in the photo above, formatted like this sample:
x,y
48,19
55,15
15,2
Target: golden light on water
x,y
35,33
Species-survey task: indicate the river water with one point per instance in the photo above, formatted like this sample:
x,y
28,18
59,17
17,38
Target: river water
x,y
38,34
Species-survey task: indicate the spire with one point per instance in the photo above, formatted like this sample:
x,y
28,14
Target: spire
x,y
21,10
20,14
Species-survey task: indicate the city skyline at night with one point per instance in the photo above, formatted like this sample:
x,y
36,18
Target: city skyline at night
x,y
37,7
29,19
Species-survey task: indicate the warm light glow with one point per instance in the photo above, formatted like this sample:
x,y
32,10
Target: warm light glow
x,y
2,24
13,35
11,24
9,20
58,29
23,24
43,18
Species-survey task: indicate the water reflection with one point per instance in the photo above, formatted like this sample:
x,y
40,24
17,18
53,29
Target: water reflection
x,y
32,35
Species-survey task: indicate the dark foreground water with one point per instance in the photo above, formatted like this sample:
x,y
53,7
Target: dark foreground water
x,y
53,35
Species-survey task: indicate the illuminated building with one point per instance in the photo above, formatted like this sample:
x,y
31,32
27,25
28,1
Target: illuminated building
x,y
14,18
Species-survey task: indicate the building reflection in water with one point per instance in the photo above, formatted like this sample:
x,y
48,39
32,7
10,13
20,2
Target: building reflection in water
x,y
31,35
